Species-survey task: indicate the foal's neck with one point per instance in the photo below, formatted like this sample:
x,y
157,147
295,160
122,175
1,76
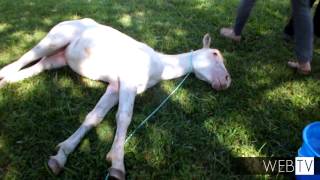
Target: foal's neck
x,y
176,65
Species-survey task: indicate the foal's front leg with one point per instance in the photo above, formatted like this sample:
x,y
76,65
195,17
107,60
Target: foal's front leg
x,y
116,154
107,101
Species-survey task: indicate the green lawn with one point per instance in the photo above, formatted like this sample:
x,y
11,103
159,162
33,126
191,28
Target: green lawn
x,y
198,130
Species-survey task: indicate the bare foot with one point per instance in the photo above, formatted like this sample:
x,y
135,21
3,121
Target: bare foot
x,y
302,68
229,33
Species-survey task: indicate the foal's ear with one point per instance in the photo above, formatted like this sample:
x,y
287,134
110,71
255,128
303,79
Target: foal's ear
x,y
206,41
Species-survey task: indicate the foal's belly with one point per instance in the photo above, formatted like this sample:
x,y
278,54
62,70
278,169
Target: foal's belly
x,y
88,69
89,63
105,55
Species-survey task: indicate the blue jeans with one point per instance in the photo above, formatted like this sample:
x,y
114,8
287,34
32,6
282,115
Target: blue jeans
x,y
243,14
316,22
303,28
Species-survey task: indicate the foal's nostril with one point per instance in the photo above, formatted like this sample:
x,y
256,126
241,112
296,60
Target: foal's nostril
x,y
227,77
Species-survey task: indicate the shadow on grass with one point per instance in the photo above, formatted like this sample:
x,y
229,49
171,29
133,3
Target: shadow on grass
x,y
195,134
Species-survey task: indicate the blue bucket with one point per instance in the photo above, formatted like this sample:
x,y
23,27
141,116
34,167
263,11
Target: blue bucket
x,y
311,141
310,146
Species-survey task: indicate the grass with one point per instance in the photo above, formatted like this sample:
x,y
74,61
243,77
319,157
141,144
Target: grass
x,y
197,132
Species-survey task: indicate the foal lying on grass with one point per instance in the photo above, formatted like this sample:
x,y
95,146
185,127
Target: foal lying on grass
x,y
130,67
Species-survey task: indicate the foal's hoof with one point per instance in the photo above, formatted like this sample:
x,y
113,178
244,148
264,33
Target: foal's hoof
x,y
116,174
54,166
109,157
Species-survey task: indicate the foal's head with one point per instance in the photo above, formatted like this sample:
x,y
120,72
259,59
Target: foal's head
x,y
208,65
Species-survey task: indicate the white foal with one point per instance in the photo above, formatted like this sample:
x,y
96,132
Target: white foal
x,y
130,67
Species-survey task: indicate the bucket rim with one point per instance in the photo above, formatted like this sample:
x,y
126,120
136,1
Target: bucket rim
x,y
305,137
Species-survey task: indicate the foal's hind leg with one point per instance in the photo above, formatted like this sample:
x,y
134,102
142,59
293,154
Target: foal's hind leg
x,y
55,40
52,62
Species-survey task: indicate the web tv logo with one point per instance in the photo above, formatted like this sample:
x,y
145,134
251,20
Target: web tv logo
x,y
275,166
301,166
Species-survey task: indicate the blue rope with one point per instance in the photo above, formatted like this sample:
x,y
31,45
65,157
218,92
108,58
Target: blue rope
x,y
160,106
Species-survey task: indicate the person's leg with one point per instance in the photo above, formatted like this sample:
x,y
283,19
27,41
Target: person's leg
x,y
243,14
303,35
288,29
316,21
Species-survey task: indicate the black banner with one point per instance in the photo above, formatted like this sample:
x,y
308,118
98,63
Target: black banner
x,y
275,165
